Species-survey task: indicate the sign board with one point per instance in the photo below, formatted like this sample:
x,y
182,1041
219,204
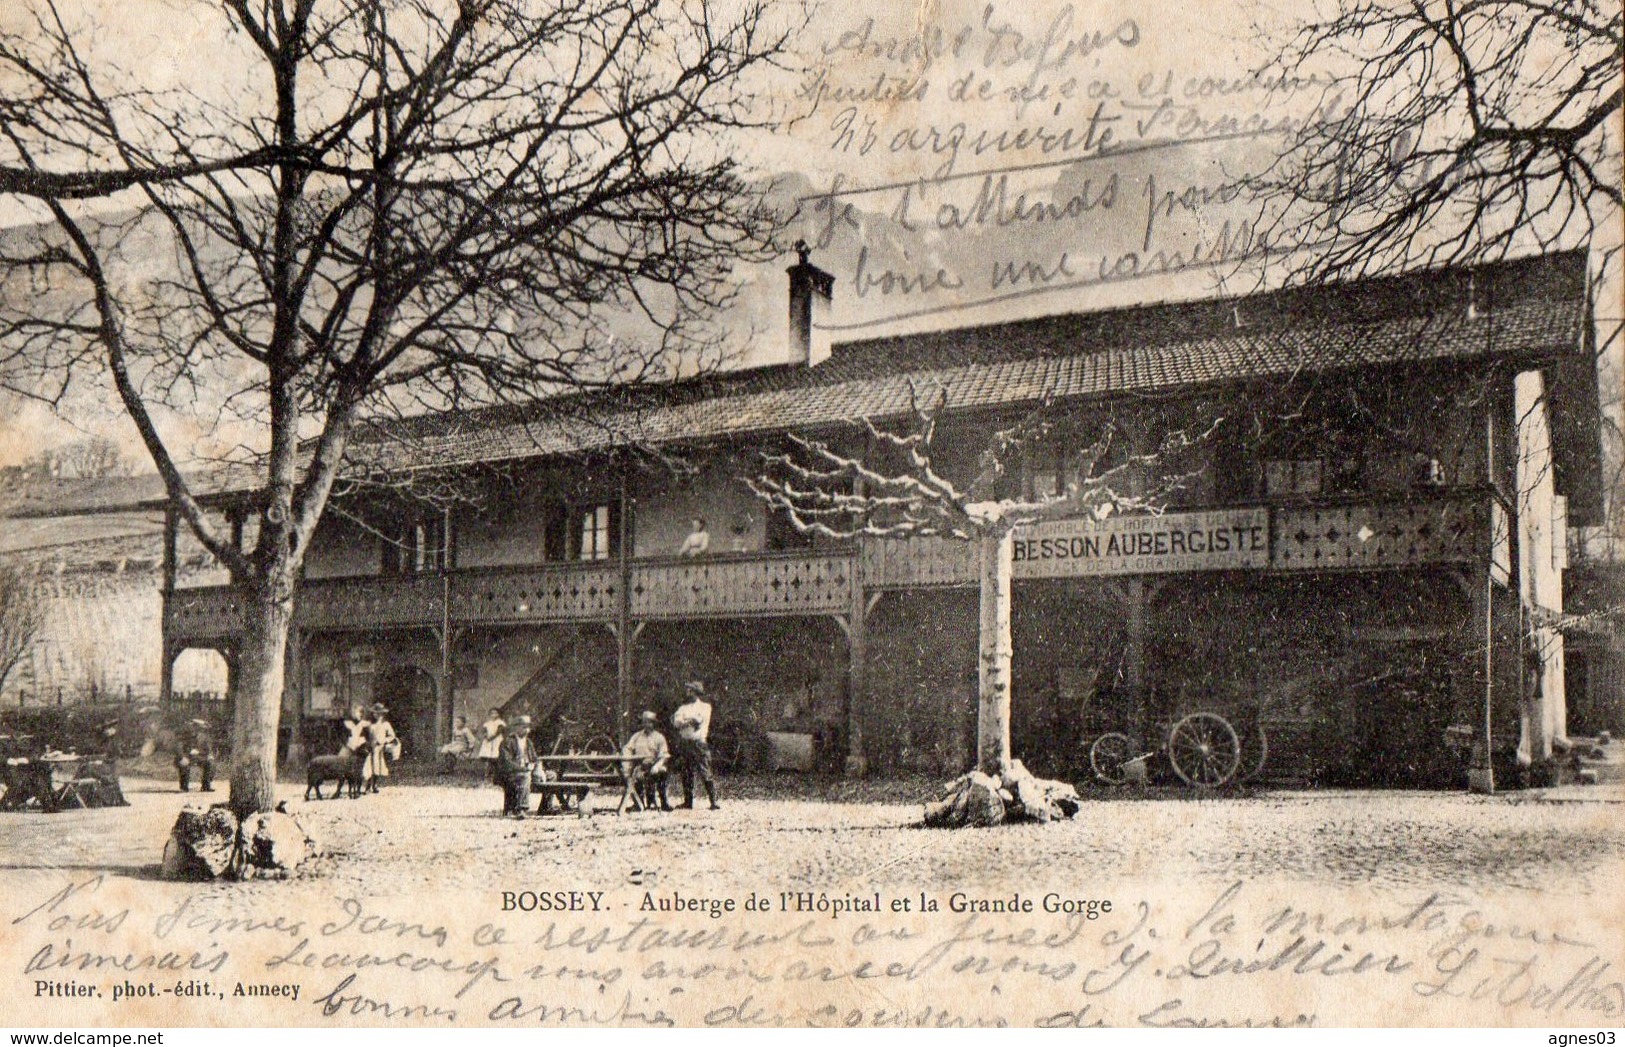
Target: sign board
x,y
1211,541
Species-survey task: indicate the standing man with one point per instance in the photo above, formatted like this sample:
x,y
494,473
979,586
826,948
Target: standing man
x,y
515,761
692,721
195,747
648,775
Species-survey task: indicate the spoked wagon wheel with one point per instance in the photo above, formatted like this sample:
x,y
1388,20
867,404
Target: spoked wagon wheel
x,y
1204,750
1108,755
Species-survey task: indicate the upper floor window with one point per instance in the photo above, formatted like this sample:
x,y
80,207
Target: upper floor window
x,y
593,532
415,545
1286,476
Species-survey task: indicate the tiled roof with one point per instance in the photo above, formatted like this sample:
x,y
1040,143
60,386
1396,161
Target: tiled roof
x,y
1538,309
1532,308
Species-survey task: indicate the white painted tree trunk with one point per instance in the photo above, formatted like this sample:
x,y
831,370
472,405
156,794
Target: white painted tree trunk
x,y
993,703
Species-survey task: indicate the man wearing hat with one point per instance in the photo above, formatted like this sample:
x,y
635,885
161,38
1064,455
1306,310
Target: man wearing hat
x,y
648,775
194,747
515,760
692,720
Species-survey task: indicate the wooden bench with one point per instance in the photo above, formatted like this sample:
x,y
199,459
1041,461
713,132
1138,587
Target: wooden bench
x,y
563,791
579,775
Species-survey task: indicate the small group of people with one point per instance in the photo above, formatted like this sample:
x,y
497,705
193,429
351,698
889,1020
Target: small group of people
x,y
194,750
692,752
369,731
516,757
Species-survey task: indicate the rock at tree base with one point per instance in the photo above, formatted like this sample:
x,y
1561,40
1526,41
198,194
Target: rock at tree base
x,y
274,844
1015,796
211,844
1035,805
202,845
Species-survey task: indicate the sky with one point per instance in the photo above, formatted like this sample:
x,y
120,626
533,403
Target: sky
x,y
955,162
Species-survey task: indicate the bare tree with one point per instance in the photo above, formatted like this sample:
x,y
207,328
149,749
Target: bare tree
x,y
405,204
93,458
22,616
1460,132
898,490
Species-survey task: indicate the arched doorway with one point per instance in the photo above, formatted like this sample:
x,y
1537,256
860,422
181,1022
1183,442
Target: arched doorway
x,y
411,695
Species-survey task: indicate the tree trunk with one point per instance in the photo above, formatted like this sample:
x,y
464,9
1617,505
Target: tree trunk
x,y
993,706
258,698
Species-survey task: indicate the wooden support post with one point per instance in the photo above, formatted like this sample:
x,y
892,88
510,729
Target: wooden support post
x,y
623,613
171,538
857,646
446,704
166,673
1138,601
1481,771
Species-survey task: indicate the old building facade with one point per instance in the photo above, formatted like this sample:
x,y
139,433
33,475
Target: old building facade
x,y
1358,558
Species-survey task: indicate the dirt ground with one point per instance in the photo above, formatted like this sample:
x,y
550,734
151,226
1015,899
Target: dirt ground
x,y
827,834
1339,908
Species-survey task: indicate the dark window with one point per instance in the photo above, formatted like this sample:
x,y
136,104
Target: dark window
x,y
782,534
1286,476
414,546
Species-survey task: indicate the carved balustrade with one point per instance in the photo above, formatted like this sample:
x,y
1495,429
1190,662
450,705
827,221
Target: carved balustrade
x,y
1416,530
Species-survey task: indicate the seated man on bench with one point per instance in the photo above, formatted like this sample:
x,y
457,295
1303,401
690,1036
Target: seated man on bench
x,y
648,776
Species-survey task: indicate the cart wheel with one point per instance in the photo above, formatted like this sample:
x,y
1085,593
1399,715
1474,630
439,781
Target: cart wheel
x,y
1255,750
1204,750
1108,755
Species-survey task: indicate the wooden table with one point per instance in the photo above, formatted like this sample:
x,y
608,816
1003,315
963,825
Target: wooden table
x,y
579,773
52,781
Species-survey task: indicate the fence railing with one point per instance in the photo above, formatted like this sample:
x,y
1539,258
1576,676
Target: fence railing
x,y
1447,527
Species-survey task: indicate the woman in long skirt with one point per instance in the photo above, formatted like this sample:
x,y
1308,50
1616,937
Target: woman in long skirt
x,y
385,744
358,738
491,732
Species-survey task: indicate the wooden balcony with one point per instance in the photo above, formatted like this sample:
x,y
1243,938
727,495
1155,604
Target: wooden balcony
x,y
578,592
743,586
1448,527
1412,530
199,616
713,587
1445,528
369,602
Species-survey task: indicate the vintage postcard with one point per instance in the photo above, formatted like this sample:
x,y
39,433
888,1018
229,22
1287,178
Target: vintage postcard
x,y
530,514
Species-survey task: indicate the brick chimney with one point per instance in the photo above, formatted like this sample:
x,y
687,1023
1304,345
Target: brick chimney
x,y
810,292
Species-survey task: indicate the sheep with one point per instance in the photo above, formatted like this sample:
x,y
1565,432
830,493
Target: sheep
x,y
344,769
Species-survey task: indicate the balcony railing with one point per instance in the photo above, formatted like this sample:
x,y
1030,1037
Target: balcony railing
x,y
397,601
583,592
204,614
740,586
1448,527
